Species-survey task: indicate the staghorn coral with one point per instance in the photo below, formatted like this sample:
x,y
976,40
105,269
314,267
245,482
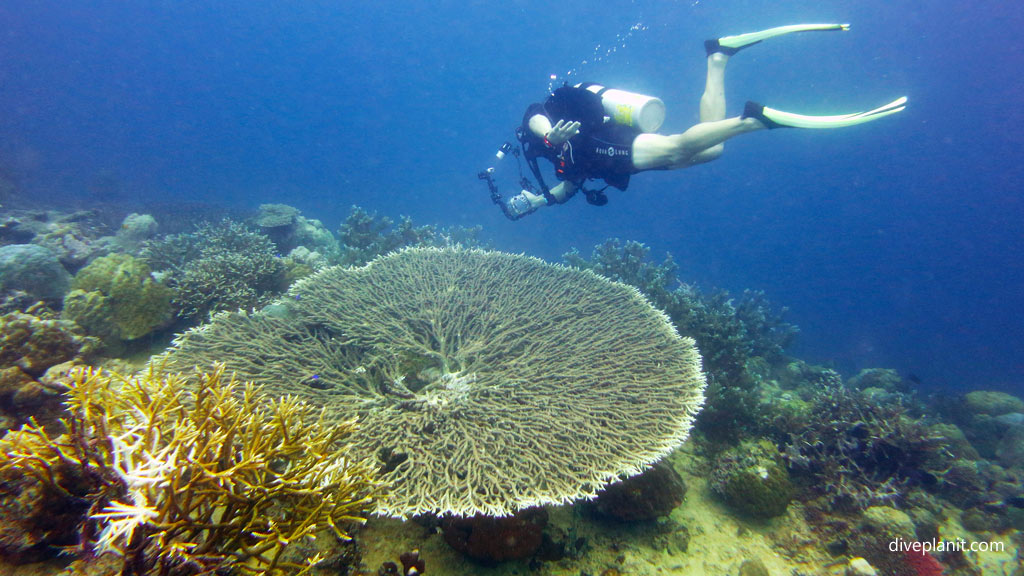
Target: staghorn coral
x,y
484,382
186,482
116,295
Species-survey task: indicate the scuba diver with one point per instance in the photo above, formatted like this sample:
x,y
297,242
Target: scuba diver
x,y
590,132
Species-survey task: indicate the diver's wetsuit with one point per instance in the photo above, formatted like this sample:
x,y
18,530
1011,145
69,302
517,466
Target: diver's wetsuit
x,y
602,150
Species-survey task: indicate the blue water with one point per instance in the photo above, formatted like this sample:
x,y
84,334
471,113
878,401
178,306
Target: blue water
x,y
895,244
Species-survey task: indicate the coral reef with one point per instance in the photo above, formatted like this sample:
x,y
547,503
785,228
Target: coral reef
x,y
116,295
180,481
467,384
752,480
730,332
34,270
365,235
856,452
220,266
35,340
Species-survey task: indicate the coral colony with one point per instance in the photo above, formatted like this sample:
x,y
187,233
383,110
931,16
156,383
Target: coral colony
x,y
192,479
456,364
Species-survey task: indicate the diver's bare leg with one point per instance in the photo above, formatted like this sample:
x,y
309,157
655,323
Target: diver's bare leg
x,y
695,146
712,102
703,142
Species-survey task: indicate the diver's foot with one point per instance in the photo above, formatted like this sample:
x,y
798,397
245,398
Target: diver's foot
x,y
772,118
730,45
756,111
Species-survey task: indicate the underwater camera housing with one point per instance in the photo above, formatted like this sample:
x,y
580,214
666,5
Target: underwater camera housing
x,y
488,177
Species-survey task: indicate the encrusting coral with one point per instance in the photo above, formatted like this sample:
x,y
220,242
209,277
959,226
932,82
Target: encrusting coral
x,y
34,340
182,480
484,382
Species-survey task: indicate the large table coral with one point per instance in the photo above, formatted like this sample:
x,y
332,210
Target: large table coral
x,y
483,382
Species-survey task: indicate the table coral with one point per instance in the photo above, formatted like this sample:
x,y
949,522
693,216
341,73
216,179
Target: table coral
x,y
484,382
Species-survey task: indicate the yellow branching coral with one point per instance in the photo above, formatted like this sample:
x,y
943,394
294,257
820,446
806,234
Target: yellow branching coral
x,y
483,382
201,476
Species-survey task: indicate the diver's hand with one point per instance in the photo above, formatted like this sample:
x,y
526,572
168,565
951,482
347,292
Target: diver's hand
x,y
561,132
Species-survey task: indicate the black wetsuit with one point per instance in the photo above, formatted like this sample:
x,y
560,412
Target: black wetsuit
x,y
602,150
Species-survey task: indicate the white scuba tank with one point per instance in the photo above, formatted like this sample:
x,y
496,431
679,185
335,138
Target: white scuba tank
x,y
645,113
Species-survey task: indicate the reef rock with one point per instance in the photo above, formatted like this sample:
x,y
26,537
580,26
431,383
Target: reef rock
x,y
33,269
22,397
135,229
491,540
860,567
992,403
34,344
650,495
891,522
882,378
1010,449
753,567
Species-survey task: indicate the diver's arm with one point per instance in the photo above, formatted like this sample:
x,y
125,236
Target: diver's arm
x,y
555,135
540,125
527,202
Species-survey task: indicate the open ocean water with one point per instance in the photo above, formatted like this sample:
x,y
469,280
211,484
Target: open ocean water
x,y
894,244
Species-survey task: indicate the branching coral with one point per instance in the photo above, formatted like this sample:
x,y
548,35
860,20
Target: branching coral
x,y
729,332
857,453
484,382
182,481
364,236
221,266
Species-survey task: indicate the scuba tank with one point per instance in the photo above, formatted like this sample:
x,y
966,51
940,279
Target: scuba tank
x,y
645,113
